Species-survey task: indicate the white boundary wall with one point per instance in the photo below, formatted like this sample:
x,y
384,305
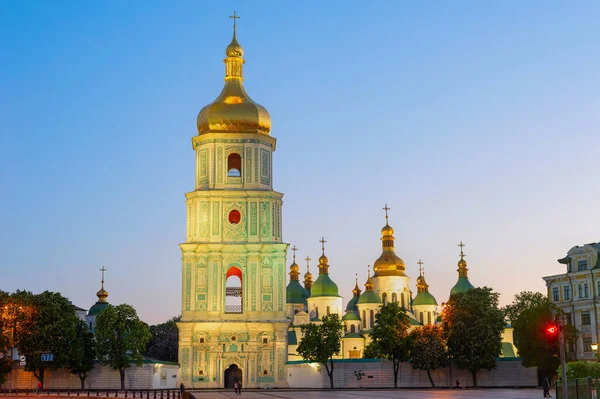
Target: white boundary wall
x,y
379,374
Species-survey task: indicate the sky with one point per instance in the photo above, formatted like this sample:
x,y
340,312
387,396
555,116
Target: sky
x,y
474,121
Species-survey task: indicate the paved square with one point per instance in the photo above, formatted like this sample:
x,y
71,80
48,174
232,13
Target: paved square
x,y
378,394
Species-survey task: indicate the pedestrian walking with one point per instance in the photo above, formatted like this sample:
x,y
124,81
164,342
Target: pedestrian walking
x,y
235,387
546,387
239,387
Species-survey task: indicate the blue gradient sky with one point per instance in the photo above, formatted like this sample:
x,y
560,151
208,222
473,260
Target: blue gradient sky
x,y
475,121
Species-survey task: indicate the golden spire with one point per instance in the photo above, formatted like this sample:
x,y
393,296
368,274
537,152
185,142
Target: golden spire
x,y
356,291
462,263
369,283
233,111
388,264
294,273
323,266
308,281
102,294
422,285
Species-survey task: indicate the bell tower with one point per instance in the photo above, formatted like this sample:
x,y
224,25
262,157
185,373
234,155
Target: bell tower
x,y
233,260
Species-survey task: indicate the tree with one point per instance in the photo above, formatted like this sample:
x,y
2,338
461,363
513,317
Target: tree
x,y
164,344
46,324
82,352
121,338
390,338
473,325
429,351
530,313
321,342
5,336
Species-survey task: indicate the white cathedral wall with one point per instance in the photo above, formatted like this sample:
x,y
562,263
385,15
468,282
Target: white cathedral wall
x,y
322,302
424,309
400,285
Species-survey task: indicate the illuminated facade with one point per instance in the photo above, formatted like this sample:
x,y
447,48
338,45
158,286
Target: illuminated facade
x,y
233,324
577,293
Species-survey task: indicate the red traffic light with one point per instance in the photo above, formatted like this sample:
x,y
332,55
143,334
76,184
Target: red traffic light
x,y
552,329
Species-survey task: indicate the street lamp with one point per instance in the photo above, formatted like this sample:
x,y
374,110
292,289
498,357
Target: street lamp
x,y
595,349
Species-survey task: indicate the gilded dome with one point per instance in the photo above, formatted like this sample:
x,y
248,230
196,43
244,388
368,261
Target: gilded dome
x,y
233,111
387,230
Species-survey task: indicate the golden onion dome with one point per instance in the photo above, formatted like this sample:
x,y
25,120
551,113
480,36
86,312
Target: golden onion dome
x,y
102,294
323,260
462,263
387,230
233,111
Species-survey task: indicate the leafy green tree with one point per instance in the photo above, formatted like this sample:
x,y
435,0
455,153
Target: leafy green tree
x,y
530,313
429,351
581,369
321,342
82,352
46,325
164,344
390,338
473,325
121,338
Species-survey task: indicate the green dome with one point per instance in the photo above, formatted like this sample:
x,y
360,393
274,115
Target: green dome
x,y
295,293
462,285
352,304
350,316
424,298
369,297
97,308
324,286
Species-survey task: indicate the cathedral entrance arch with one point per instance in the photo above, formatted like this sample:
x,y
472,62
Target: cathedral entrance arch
x,y
232,373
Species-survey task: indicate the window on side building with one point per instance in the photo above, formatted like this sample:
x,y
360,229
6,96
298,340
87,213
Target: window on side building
x,y
580,289
585,319
567,292
582,265
555,294
587,344
586,290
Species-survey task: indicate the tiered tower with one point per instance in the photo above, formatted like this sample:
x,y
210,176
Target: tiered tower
x,y
233,324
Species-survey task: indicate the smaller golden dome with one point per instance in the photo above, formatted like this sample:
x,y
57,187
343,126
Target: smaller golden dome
x,y
234,49
102,294
387,230
323,259
462,263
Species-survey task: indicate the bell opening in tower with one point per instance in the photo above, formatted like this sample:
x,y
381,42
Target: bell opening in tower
x,y
234,165
233,291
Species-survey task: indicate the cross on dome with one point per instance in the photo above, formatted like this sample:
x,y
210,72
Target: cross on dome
x,y
386,208
461,245
234,17
103,269
323,244
294,249
420,263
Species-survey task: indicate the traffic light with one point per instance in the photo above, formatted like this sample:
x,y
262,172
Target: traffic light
x,y
551,331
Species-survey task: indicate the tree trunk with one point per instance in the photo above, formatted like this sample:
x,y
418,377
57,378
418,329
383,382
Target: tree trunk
x,y
430,379
40,376
122,373
474,374
330,372
396,365
82,377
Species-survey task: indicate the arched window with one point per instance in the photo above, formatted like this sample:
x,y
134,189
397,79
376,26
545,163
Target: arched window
x,y
394,297
421,317
371,318
317,312
233,290
201,340
402,300
345,328
234,165
428,317
327,310
352,328
364,319
384,298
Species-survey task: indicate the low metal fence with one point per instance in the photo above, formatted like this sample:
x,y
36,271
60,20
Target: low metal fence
x,y
116,393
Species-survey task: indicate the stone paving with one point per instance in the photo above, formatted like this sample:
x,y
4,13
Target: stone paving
x,y
377,394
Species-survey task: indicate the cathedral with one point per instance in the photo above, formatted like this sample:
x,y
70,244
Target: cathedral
x,y
239,320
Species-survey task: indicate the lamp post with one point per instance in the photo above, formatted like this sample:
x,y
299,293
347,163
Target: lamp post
x,y
595,350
